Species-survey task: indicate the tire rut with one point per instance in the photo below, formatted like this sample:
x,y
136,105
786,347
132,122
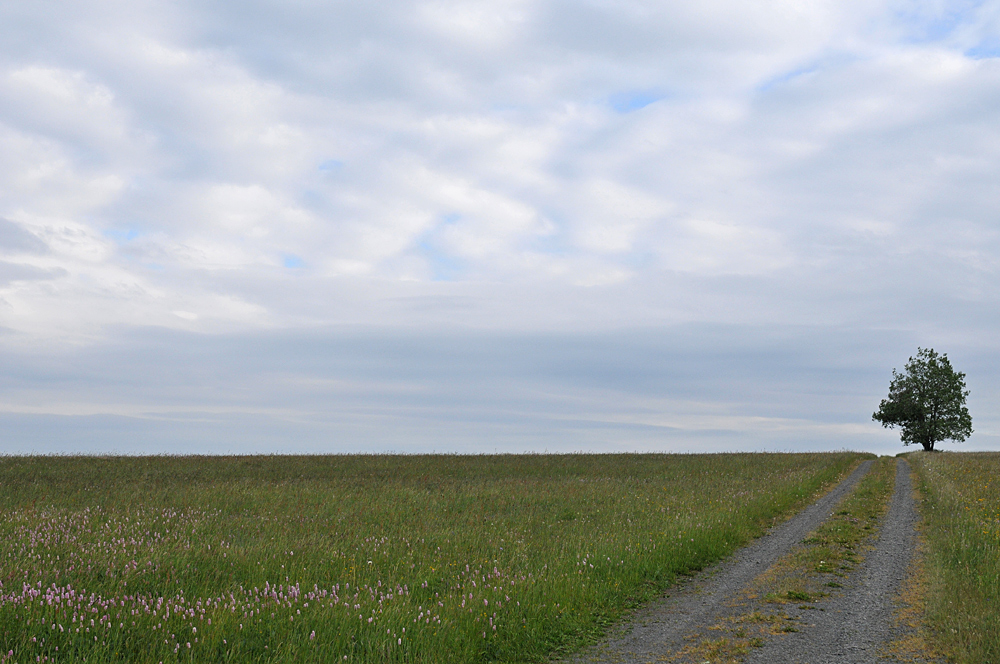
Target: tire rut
x,y
858,622
659,629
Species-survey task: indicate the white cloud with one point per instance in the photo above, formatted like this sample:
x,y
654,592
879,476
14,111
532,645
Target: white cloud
x,y
532,165
612,215
62,103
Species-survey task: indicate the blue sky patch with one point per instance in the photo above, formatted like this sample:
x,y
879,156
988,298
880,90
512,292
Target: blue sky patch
x,y
984,51
443,266
626,102
291,261
331,165
931,27
121,235
786,77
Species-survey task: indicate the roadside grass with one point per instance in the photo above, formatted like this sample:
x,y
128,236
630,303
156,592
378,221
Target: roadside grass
x,y
364,558
809,572
961,510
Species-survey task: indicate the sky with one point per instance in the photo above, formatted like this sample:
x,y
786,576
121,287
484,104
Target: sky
x,y
491,226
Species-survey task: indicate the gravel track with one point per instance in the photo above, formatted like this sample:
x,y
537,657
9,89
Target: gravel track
x,y
659,629
856,623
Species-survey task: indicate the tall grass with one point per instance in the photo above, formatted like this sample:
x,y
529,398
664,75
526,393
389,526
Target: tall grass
x,y
961,509
363,558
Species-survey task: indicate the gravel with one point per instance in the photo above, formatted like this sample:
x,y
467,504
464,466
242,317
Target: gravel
x,y
858,621
659,629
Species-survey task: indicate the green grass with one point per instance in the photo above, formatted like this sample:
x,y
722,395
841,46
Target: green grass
x,y
364,558
835,548
961,510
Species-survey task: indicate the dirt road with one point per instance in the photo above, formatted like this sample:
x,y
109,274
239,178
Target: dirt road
x,y
850,626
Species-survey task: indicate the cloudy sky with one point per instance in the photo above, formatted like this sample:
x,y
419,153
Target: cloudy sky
x,y
484,226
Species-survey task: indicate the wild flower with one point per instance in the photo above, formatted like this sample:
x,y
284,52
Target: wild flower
x,y
119,572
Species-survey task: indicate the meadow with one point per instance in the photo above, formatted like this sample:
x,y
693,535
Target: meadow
x,y
961,509
364,558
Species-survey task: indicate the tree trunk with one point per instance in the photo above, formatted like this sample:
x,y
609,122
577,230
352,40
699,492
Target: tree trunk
x,y
928,446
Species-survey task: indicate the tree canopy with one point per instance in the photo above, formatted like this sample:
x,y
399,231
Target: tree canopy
x,y
927,401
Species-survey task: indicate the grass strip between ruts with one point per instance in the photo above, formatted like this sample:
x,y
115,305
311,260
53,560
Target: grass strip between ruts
x,y
837,546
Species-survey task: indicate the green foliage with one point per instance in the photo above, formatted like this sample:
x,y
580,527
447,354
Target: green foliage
x,y
961,510
927,401
364,558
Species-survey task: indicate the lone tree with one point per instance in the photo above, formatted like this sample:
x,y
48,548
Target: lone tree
x,y
927,402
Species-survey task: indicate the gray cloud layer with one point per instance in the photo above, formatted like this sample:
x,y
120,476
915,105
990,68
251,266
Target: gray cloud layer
x,y
696,387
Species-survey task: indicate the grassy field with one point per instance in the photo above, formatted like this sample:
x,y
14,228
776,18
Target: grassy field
x,y
363,558
961,508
